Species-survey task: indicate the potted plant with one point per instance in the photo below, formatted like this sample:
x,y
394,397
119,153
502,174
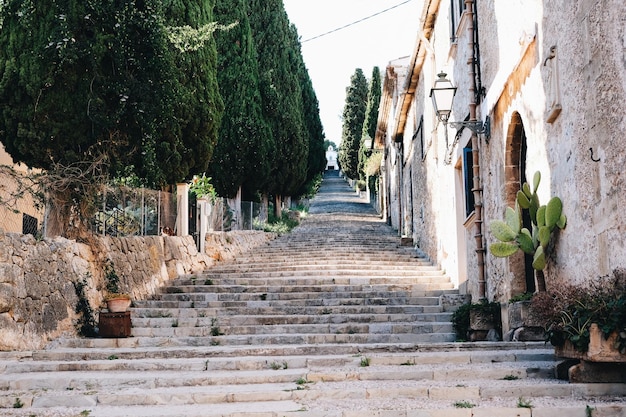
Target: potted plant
x,y
117,302
586,322
545,220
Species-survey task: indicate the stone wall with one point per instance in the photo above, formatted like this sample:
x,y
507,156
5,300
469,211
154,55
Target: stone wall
x,y
37,277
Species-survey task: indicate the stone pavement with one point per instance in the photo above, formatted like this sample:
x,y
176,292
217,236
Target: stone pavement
x,y
335,319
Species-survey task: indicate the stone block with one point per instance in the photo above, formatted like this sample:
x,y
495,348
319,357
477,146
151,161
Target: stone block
x,y
590,372
529,334
501,412
520,315
454,393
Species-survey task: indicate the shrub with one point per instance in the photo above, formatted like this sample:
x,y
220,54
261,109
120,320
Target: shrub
x,y
568,311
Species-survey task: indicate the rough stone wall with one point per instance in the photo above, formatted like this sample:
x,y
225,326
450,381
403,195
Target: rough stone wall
x,y
37,294
590,40
580,153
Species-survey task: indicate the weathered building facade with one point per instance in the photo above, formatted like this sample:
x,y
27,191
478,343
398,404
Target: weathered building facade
x,y
549,78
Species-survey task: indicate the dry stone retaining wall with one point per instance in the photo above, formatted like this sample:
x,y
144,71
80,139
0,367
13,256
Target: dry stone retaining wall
x,y
37,294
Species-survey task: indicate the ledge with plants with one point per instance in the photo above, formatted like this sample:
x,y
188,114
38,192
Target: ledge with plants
x,y
586,322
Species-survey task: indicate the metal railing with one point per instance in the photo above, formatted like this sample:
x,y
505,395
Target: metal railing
x,y
124,211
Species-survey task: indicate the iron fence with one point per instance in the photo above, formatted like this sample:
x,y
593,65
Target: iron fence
x,y
125,211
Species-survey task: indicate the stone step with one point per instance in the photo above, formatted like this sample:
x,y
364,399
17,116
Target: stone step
x,y
205,336
276,319
323,282
199,301
370,275
275,286
324,381
206,328
347,298
197,361
141,348
188,313
294,264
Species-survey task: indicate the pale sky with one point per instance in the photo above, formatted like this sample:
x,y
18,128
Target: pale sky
x,y
332,59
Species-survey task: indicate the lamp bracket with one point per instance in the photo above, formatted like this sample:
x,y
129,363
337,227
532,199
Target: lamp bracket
x,y
477,126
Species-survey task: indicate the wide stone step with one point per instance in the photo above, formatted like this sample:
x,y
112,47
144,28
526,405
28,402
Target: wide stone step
x,y
263,286
217,328
276,319
134,348
323,282
325,262
199,301
348,298
188,313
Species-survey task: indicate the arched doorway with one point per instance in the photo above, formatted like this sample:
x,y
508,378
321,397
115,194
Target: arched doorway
x,y
520,265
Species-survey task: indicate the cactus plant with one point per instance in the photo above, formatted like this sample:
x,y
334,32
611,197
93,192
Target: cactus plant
x,y
513,237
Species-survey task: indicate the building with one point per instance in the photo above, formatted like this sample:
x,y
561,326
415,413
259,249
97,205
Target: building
x,y
540,86
331,159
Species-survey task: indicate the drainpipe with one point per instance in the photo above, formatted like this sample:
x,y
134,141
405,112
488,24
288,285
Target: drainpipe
x,y
476,186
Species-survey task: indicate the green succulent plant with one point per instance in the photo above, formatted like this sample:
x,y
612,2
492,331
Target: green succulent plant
x,y
513,237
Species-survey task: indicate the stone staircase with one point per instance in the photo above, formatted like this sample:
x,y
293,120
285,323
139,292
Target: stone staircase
x,y
336,319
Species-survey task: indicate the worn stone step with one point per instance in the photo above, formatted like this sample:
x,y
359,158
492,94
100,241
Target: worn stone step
x,y
313,311
197,360
218,329
305,394
394,297
262,287
284,302
276,319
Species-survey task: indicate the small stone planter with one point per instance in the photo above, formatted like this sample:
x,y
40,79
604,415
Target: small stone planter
x,y
602,362
519,324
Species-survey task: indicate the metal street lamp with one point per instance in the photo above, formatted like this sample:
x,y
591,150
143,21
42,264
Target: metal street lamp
x,y
442,95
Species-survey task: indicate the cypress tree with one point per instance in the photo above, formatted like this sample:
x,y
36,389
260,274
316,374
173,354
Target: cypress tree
x,y
79,79
371,119
242,154
353,119
281,97
316,162
189,146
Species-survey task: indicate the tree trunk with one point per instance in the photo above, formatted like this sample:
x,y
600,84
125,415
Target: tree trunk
x,y
263,212
541,280
278,210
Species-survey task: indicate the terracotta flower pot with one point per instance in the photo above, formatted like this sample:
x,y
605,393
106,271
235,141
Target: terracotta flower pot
x,y
118,304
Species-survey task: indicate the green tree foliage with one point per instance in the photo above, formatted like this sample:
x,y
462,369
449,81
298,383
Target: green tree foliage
x,y
81,79
99,84
316,162
193,135
353,119
242,154
279,65
371,120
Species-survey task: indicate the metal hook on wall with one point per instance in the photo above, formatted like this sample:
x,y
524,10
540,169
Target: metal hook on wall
x,y
592,158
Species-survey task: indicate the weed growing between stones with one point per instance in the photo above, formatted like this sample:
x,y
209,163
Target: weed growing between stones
x,y
510,377
524,403
365,361
215,329
18,403
464,404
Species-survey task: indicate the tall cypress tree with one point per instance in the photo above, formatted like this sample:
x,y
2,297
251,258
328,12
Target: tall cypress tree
x,y
242,154
78,79
199,106
281,97
353,119
371,119
316,162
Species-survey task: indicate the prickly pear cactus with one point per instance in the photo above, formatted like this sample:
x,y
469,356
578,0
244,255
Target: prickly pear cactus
x,y
545,220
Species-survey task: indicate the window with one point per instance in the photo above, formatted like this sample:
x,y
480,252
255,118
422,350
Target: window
x,y
468,176
456,11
